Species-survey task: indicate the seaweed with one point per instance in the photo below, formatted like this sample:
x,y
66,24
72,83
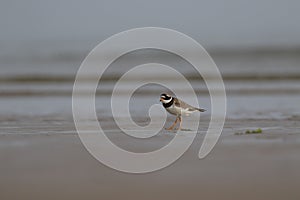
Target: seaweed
x,y
256,131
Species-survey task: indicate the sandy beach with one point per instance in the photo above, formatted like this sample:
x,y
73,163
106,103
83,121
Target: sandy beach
x,y
54,164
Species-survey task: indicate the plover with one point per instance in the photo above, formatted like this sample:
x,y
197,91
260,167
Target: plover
x,y
177,107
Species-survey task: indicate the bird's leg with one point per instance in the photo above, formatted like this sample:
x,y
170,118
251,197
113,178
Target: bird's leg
x,y
180,122
172,126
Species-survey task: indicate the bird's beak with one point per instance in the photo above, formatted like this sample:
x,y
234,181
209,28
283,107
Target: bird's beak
x,y
161,99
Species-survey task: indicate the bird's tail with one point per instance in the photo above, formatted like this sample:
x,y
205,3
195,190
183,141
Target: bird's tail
x,y
201,109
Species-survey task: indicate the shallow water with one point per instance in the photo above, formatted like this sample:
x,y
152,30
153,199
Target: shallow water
x,y
259,85
239,106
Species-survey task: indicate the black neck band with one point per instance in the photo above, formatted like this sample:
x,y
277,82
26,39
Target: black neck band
x,y
167,105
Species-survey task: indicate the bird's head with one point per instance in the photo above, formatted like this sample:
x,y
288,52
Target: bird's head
x,y
165,98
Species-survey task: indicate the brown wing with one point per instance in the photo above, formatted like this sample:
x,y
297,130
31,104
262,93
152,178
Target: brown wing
x,y
183,105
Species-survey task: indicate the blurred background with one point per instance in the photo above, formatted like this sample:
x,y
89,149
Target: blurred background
x,y
255,44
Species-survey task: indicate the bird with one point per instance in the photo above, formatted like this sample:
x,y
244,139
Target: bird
x,y
177,107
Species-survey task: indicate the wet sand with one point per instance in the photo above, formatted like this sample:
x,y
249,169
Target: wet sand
x,y
55,165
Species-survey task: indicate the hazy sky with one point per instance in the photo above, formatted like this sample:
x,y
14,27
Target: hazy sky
x,y
211,22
